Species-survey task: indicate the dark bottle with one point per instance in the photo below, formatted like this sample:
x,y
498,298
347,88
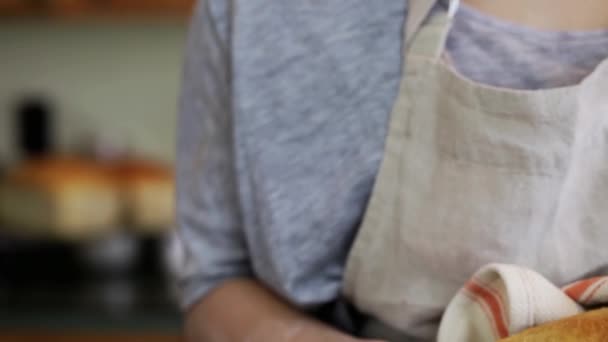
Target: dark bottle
x,y
33,127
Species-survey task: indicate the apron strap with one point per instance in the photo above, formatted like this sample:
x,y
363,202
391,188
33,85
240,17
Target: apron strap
x,y
425,34
418,11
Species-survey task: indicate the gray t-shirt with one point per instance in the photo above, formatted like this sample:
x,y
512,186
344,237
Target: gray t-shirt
x,y
284,112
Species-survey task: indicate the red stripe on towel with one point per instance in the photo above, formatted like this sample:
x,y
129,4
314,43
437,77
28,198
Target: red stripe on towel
x,y
577,290
592,293
493,303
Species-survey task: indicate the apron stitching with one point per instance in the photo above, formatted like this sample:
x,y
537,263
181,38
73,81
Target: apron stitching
x,y
496,165
537,118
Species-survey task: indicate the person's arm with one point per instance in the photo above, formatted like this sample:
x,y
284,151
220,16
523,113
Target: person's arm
x,y
225,304
243,310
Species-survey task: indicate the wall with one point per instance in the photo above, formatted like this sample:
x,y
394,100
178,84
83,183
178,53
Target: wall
x,y
117,79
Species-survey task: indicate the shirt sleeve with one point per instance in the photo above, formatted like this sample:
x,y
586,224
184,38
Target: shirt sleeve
x,y
208,219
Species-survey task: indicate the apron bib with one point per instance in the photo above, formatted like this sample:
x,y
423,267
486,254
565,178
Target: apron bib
x,y
472,175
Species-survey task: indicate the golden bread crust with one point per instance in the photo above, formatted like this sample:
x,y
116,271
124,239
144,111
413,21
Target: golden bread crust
x,y
590,326
55,173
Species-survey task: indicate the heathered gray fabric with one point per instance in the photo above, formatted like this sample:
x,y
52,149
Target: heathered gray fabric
x,y
284,111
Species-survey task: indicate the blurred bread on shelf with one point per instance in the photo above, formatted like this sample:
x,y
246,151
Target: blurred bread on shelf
x,y
147,191
59,196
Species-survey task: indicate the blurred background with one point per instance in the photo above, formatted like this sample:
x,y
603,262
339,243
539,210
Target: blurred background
x,y
88,98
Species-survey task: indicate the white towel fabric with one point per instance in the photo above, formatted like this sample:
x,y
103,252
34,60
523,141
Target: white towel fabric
x,y
501,300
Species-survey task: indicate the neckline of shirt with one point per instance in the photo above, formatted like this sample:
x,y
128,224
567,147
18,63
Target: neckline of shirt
x,y
467,13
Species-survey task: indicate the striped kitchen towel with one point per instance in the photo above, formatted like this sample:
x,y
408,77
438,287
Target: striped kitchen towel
x,y
501,300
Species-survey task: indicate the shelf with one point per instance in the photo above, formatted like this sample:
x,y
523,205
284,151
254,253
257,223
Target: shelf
x,y
95,8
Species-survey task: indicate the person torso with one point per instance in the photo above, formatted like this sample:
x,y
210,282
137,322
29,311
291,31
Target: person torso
x,y
313,86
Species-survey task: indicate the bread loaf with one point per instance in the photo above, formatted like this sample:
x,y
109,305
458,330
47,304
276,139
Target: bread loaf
x,y
591,326
147,190
67,197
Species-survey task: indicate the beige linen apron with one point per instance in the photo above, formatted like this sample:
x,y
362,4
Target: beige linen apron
x,y
474,174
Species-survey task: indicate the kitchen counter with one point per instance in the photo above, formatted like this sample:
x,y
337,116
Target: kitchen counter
x,y
29,337
46,288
